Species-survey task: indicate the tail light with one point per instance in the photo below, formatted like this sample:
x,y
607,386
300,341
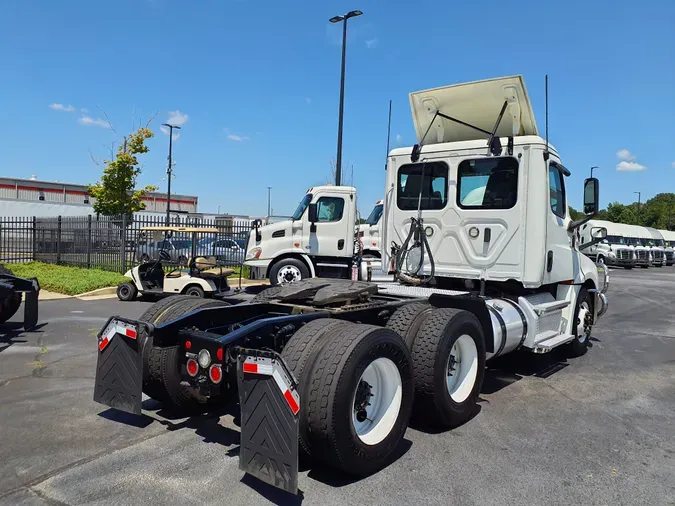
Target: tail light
x,y
219,354
188,345
215,373
192,367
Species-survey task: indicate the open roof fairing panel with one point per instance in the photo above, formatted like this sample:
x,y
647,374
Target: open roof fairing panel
x,y
477,103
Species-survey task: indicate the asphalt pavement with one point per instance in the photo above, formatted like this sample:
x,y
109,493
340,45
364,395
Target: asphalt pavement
x,y
599,429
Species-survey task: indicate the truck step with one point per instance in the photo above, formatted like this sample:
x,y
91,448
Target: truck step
x,y
548,343
549,307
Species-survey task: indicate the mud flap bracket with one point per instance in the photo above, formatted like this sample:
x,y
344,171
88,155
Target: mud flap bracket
x,y
119,367
269,406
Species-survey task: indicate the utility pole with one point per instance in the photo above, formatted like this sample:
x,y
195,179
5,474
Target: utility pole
x,y
169,171
638,213
269,201
337,19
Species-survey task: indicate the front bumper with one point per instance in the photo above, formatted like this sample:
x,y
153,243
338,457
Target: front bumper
x,y
258,268
621,262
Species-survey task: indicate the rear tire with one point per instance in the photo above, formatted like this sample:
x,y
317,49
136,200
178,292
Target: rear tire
x,y
10,305
407,320
299,354
345,432
127,291
449,361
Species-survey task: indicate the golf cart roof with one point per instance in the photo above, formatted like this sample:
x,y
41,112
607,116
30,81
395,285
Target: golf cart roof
x,y
182,229
477,103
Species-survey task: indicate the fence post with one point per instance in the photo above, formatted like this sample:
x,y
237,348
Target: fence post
x,y
89,241
34,241
124,243
58,241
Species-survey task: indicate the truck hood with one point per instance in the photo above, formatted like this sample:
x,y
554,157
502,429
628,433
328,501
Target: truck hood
x,y
477,103
266,232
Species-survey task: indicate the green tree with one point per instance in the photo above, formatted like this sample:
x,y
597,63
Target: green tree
x,y
575,215
116,193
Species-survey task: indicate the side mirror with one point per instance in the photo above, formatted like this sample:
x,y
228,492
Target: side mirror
x,y
597,235
164,255
415,154
591,196
312,214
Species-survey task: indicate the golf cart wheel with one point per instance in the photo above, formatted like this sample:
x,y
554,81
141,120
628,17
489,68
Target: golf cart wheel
x,y
126,291
299,354
359,399
195,291
407,320
582,324
449,360
288,270
10,305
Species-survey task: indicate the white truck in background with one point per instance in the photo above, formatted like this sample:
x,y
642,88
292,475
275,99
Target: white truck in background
x,y
321,239
669,243
369,232
614,249
657,246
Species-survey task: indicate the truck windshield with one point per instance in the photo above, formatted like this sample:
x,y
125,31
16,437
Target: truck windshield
x,y
658,242
375,215
633,241
301,207
615,239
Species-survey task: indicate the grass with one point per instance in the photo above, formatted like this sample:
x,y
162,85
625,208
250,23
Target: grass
x,y
66,280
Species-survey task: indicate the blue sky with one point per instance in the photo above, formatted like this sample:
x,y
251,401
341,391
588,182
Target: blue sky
x,y
256,87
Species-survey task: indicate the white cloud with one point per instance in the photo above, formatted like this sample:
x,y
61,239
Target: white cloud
x,y
630,166
87,120
177,118
372,43
399,138
61,107
624,154
308,100
237,138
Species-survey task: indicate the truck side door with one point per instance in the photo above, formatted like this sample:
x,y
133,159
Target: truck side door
x,y
561,260
333,234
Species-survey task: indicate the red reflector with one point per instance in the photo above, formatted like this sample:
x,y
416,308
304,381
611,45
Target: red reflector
x,y
219,354
130,333
291,402
188,345
215,374
248,367
103,343
192,367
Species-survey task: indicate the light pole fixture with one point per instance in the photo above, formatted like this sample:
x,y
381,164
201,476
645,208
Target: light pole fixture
x,y
337,19
169,172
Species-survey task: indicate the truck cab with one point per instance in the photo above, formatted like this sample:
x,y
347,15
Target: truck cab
x,y
669,243
369,232
317,241
657,246
613,250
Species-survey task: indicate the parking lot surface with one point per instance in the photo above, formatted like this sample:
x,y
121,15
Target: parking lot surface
x,y
599,429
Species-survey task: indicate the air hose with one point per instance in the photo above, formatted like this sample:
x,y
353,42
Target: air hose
x,y
415,240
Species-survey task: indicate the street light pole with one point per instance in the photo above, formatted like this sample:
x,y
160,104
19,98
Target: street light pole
x,y
639,196
337,19
269,201
594,167
169,171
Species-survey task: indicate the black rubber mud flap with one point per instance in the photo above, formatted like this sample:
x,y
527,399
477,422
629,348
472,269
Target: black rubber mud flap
x,y
30,310
269,406
119,368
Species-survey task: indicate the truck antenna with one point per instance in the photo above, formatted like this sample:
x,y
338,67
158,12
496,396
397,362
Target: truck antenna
x,y
386,156
546,99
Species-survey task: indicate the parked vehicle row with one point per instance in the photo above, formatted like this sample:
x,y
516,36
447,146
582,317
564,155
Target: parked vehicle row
x,y
228,249
630,246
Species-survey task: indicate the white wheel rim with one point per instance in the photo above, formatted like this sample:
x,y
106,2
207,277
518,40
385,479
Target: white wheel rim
x,y
386,394
288,274
583,332
462,368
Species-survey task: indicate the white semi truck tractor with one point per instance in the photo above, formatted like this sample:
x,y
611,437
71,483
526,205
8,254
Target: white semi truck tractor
x,y
369,232
614,249
487,261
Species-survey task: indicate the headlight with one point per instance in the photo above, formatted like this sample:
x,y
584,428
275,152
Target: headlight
x,y
611,254
253,253
204,358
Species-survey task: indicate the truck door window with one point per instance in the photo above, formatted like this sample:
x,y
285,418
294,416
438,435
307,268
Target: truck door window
x,y
487,183
434,186
557,191
330,209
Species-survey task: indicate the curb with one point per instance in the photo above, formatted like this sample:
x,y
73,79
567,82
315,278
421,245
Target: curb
x,y
108,290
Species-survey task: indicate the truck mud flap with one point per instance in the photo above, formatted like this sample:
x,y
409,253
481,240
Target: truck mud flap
x,y
30,310
119,368
269,406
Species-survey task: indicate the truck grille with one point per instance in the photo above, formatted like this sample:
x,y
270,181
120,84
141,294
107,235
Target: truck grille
x,y
669,255
642,254
658,255
623,254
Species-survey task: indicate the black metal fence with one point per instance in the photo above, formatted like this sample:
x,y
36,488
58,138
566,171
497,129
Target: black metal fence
x,y
117,244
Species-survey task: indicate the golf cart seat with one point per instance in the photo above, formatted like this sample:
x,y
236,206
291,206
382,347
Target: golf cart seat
x,y
204,263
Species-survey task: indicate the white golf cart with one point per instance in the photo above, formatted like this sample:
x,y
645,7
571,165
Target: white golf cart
x,y
205,276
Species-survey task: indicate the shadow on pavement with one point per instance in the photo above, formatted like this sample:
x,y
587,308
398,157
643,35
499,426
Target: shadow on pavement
x,y
14,333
